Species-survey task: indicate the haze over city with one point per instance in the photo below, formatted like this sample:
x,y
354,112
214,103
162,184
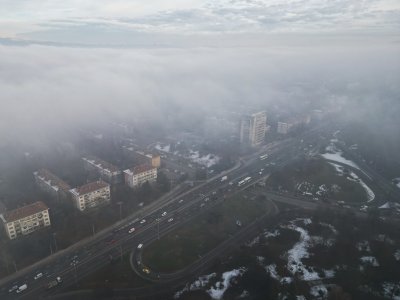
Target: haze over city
x,y
241,149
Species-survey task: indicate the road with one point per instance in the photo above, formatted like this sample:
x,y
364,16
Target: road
x,y
84,259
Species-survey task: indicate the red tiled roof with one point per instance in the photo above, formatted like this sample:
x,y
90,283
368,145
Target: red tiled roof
x,y
25,211
90,187
142,168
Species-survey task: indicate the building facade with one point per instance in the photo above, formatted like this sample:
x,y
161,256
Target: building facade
x,y
141,157
137,176
105,170
91,195
26,219
253,129
51,184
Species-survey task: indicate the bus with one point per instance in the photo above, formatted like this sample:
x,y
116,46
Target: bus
x,y
265,156
244,181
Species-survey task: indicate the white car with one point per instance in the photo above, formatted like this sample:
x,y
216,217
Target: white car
x,y
170,220
180,201
38,275
143,221
164,214
140,246
131,230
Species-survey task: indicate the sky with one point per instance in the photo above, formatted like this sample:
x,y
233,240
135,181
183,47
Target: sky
x,y
126,21
70,63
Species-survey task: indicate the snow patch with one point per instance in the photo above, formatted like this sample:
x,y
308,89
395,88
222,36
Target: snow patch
x,y
198,284
217,291
319,291
371,260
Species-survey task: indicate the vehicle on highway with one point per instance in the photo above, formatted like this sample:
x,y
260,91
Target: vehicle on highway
x,y
206,199
223,178
180,201
131,230
170,220
38,275
13,288
244,181
54,283
22,288
143,221
164,214
140,246
146,270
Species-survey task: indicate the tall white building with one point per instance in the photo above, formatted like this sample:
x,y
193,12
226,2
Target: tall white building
x,y
91,195
137,176
253,129
26,219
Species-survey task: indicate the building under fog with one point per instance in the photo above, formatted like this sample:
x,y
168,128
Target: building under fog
x,y
51,184
91,195
105,170
137,176
253,129
25,220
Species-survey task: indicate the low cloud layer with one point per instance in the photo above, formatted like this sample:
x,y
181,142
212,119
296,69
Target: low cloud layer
x,y
54,88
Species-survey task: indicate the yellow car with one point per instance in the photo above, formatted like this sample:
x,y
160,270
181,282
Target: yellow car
x,y
146,270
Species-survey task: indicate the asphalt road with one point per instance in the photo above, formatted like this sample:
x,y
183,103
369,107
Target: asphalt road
x,y
80,261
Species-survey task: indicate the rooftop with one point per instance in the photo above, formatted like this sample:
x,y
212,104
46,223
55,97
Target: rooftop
x,y
101,163
52,179
139,169
89,187
24,211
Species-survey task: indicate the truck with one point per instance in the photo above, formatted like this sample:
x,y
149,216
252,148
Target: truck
x,y
54,283
22,288
223,178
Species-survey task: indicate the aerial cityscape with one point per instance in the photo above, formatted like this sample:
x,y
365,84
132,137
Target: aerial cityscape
x,y
200,150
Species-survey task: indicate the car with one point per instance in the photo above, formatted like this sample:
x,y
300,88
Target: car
x,y
170,220
38,275
202,205
146,270
164,214
140,246
143,221
180,201
22,288
13,288
206,199
131,230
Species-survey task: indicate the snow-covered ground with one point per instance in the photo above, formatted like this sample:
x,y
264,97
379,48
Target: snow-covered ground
x,y
353,177
194,156
370,194
319,291
371,260
391,290
397,255
217,291
335,154
196,285
206,160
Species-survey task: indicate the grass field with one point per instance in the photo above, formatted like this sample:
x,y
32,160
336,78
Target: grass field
x,y
186,244
315,173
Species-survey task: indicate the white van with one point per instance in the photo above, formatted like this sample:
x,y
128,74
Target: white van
x,y
22,288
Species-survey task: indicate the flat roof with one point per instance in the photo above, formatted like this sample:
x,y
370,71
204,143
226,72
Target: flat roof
x,y
101,163
89,187
24,211
139,169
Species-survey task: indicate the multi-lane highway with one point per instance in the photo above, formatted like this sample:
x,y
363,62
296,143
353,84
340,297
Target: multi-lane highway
x,y
71,265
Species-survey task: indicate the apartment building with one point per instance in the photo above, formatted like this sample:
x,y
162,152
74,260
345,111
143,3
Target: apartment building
x,y
143,158
51,184
91,195
137,176
292,123
105,170
26,219
253,129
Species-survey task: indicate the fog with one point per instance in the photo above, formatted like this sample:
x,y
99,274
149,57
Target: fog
x,y
49,89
